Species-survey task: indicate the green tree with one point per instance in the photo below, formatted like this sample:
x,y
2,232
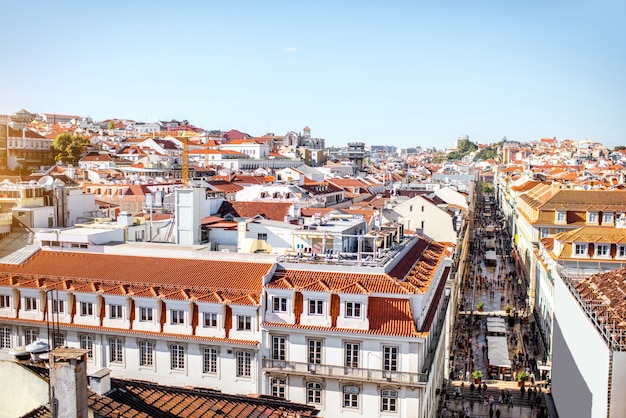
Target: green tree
x,y
69,147
487,187
111,126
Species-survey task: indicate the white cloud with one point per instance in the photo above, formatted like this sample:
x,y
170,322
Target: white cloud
x,y
291,49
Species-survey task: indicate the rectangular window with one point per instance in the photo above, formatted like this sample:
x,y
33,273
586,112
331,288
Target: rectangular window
x,y
580,249
244,323
86,309
145,314
389,400
210,320
178,357
58,306
352,355
30,336
593,217
209,360
607,218
278,386
244,364
602,250
262,237
279,345
5,337
390,358
30,304
622,251
560,216
58,339
146,353
178,317
5,301
316,307
279,304
545,232
116,354
315,351
350,396
353,309
86,343
115,311
314,393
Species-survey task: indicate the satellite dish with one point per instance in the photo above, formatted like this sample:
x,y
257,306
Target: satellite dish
x,y
46,182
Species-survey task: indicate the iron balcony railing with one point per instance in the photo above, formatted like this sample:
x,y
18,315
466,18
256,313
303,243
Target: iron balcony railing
x,y
342,372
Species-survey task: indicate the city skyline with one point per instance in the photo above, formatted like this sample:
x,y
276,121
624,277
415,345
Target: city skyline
x,y
411,74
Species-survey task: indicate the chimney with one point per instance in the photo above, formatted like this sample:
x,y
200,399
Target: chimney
x,y
100,381
68,383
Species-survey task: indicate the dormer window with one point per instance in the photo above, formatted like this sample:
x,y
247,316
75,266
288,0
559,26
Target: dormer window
x,y
580,249
5,301
316,307
592,217
30,304
621,251
279,304
602,250
560,216
607,218
353,309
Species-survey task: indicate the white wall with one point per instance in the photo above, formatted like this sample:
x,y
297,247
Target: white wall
x,y
22,392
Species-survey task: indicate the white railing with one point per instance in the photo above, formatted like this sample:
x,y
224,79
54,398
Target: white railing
x,y
342,372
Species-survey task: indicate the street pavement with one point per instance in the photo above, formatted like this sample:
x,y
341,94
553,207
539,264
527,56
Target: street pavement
x,y
496,286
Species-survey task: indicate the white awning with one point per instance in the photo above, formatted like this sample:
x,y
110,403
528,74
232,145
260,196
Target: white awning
x,y
498,352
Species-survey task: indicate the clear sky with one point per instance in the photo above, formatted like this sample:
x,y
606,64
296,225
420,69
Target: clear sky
x,y
386,73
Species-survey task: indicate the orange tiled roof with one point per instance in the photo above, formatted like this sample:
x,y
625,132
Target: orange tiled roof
x,y
143,271
275,211
136,399
411,274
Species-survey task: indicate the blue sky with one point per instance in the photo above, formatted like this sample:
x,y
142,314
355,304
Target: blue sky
x,y
398,73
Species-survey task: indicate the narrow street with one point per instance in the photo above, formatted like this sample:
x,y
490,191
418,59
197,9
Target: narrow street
x,y
494,334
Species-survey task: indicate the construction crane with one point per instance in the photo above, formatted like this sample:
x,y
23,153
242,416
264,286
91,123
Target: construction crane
x,y
183,137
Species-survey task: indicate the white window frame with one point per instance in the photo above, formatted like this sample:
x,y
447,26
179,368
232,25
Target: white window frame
x,y
391,357
86,309
116,350
279,347
314,392
352,354
279,304
145,314
5,301
5,337
58,339
351,396
602,250
177,357
315,350
210,319
389,400
316,307
146,353
607,218
115,312
353,310
30,303
592,217
583,247
621,251
30,335
58,306
244,323
278,387
177,317
561,217
86,343
244,364
210,358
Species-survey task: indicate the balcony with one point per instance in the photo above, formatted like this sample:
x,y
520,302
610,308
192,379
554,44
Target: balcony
x,y
341,372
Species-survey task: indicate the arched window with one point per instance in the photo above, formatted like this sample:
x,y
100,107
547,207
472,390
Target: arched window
x,y
351,396
389,400
314,393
